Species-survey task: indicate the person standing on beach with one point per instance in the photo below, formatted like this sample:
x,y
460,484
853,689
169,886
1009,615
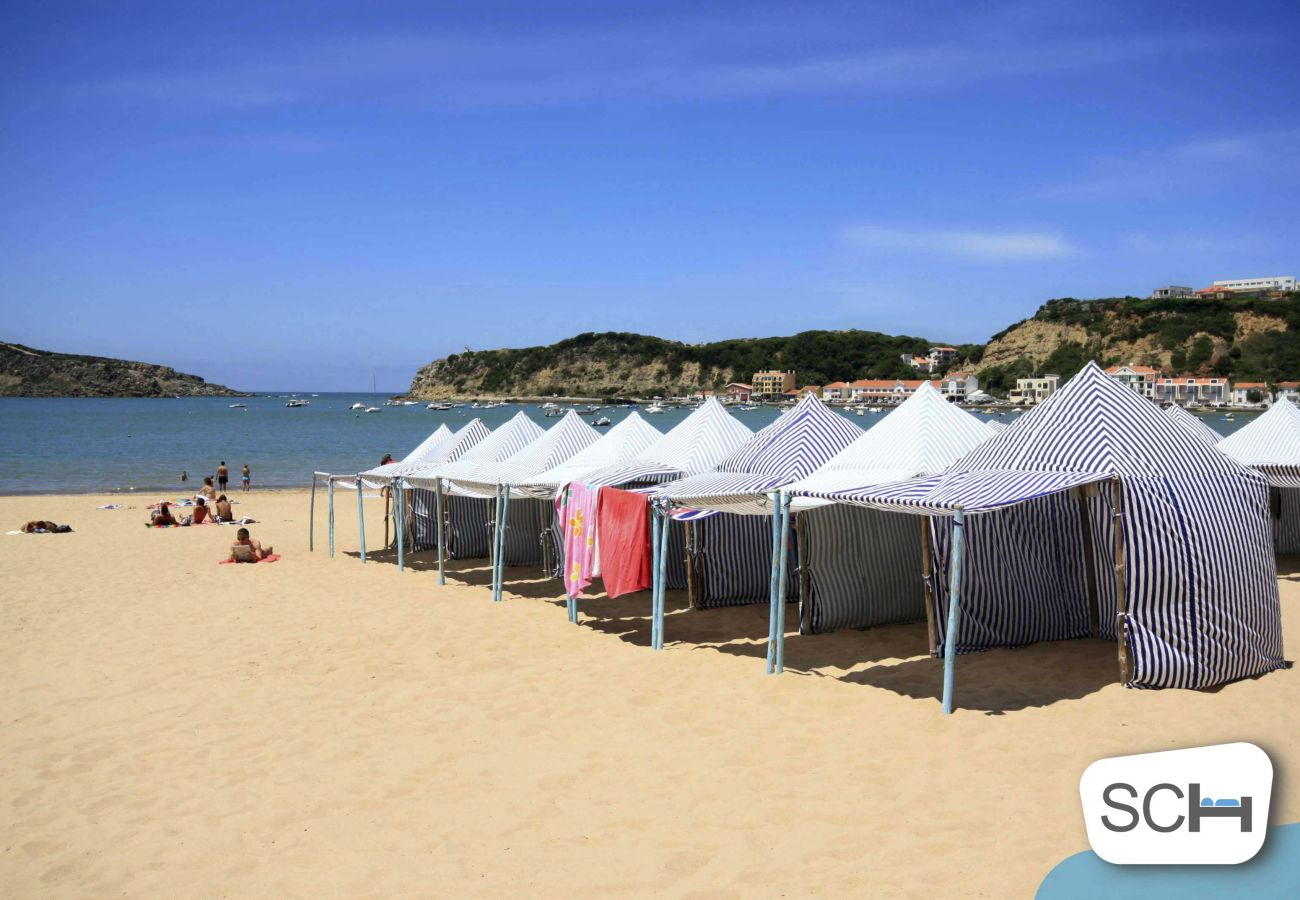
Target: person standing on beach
x,y
223,476
246,477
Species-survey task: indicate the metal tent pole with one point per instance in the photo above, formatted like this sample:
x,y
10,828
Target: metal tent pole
x,y
781,583
501,564
361,517
654,574
954,601
775,499
399,512
311,517
329,485
662,577
442,578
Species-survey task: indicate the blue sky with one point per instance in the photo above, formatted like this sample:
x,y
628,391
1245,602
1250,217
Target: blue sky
x,y
298,195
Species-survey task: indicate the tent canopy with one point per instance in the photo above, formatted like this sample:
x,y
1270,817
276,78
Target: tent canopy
x,y
923,435
506,441
1195,424
798,442
616,447
1270,444
551,448
696,444
426,452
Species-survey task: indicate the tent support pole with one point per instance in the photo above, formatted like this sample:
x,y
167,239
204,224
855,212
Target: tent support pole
x,y
399,517
954,602
387,500
927,583
437,497
1089,559
1121,598
361,517
329,487
505,526
311,517
775,499
655,525
781,582
662,578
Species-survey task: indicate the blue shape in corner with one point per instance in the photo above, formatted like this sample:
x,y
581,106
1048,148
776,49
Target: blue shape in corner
x,y
1273,873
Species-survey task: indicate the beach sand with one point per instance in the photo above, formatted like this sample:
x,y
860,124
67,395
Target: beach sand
x,y
318,727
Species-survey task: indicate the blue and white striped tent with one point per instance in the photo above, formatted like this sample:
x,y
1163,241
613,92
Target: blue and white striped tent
x,y
860,567
468,516
1271,446
731,554
1165,546
1194,424
373,479
996,425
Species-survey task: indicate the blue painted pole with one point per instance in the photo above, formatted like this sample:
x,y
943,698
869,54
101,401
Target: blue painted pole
x,y
330,487
775,500
663,576
654,574
954,601
361,518
501,566
399,506
781,586
311,517
442,578
496,538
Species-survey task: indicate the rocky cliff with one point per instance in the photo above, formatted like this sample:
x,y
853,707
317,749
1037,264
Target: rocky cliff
x,y
26,372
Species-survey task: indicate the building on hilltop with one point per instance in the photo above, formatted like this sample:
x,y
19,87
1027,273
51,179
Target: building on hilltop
x,y
1278,283
1173,291
920,363
773,382
941,356
1034,390
1186,390
1139,379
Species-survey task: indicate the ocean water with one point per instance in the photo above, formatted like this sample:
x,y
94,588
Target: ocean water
x,y
77,445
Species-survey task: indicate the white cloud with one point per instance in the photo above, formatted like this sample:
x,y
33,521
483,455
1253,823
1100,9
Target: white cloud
x,y
977,244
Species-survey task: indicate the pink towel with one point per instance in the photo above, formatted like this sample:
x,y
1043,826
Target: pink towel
x,y
624,541
578,519
231,562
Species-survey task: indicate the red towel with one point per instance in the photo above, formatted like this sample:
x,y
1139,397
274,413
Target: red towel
x,y
624,523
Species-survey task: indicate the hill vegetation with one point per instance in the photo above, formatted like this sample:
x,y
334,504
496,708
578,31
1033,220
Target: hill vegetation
x,y
27,372
1255,340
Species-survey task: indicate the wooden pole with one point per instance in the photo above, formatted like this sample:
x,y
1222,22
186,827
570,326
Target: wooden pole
x,y
775,499
361,518
329,487
1121,579
927,581
442,578
954,602
1089,559
399,518
311,517
781,583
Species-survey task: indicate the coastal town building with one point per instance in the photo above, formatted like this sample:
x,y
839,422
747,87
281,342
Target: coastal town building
x,y
1173,291
957,386
1277,283
883,392
920,363
836,390
1243,390
941,356
814,389
1139,379
773,382
1034,390
1186,390
1287,390
738,393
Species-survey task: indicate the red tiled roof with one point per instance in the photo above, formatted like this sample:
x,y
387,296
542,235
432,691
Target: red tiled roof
x,y
1288,384
878,384
1250,384
837,384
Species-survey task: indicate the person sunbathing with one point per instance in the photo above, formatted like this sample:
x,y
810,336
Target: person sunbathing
x,y
246,549
201,511
224,512
207,491
163,517
43,527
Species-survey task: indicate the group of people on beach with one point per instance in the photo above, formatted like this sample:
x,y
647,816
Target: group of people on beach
x,y
223,477
212,505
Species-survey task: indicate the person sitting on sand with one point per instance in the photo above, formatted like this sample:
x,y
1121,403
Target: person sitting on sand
x,y
245,549
224,512
43,527
163,517
207,491
201,511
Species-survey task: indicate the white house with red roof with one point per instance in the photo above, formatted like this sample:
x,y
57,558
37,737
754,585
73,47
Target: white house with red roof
x,y
1241,391
1139,379
1191,389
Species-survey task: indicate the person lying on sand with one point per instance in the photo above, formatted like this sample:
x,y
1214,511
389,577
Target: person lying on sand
x,y
43,527
224,512
245,549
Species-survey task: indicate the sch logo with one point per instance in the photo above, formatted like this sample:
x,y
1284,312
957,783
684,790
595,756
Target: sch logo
x,y
1204,805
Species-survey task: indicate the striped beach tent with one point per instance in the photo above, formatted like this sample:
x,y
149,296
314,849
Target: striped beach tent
x,y
695,445
1271,446
617,447
1193,423
860,567
996,425
729,555
467,516
1098,514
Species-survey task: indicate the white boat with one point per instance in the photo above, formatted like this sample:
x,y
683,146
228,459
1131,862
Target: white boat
x,y
439,407
293,404
548,406
602,422
239,406
371,409
357,406
554,412
653,409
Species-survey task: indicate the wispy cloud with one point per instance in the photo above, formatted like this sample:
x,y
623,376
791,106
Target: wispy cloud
x,y
1200,163
966,243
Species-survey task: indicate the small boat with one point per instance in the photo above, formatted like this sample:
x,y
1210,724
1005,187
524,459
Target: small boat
x,y
653,409
371,409
1229,418
554,412
439,407
548,406
602,422
239,406
294,404
746,408
357,406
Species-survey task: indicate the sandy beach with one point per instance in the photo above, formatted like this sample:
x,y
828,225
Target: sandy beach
x,y
318,727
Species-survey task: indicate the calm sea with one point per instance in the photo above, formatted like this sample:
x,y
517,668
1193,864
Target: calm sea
x,y
67,445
